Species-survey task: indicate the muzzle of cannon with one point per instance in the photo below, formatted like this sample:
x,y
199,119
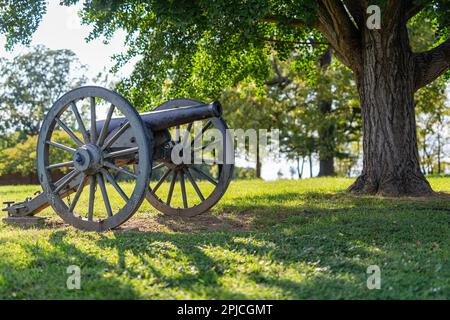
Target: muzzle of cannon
x,y
111,165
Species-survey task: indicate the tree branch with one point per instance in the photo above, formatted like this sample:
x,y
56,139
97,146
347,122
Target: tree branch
x,y
310,42
430,65
356,9
395,15
413,9
280,80
337,27
284,20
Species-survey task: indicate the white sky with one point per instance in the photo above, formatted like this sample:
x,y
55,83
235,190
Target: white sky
x,y
61,29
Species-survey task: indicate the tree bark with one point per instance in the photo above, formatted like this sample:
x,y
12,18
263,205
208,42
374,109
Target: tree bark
x,y
326,168
386,86
326,143
258,163
327,129
439,154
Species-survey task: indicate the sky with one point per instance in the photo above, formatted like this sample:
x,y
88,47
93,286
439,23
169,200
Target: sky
x,y
61,29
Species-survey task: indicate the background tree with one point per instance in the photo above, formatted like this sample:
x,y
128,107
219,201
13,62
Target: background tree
x,y
189,45
293,104
246,109
433,112
30,83
21,158
433,118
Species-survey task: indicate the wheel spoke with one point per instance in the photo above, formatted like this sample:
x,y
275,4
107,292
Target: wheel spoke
x,y
172,185
194,184
158,166
60,165
113,166
111,180
91,198
61,146
93,122
80,122
183,190
204,175
101,183
69,132
205,127
116,135
65,180
77,194
105,128
122,152
161,180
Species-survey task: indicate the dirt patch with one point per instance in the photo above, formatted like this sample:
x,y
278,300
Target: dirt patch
x,y
203,222
433,196
55,224
161,223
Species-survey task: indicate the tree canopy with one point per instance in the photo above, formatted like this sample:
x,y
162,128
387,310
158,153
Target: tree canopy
x,y
187,45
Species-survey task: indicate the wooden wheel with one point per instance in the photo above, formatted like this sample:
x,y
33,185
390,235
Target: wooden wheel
x,y
200,186
92,158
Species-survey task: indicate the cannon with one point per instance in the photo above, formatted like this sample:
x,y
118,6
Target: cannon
x,y
107,145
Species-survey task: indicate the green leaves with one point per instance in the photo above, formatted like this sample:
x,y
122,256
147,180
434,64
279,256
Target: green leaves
x,y
19,19
187,47
197,48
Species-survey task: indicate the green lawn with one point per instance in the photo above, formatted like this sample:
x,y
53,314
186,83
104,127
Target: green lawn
x,y
265,240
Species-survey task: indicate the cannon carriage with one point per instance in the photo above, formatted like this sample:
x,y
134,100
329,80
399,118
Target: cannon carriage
x,y
129,157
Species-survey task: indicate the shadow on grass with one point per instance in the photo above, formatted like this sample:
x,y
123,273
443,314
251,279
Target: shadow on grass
x,y
314,255
319,248
45,275
214,264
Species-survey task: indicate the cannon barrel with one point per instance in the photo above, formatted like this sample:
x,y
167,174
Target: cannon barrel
x,y
160,120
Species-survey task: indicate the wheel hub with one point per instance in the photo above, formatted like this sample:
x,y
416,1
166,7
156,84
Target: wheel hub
x,y
88,159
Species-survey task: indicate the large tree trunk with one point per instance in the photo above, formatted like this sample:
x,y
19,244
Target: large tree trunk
x,y
386,86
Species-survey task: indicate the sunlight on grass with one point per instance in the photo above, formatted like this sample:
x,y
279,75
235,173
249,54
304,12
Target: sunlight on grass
x,y
298,239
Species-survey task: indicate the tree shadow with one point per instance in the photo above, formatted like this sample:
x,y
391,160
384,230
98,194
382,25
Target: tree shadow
x,y
336,242
45,274
209,259
320,248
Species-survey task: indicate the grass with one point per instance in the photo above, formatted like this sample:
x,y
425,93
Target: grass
x,y
303,239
